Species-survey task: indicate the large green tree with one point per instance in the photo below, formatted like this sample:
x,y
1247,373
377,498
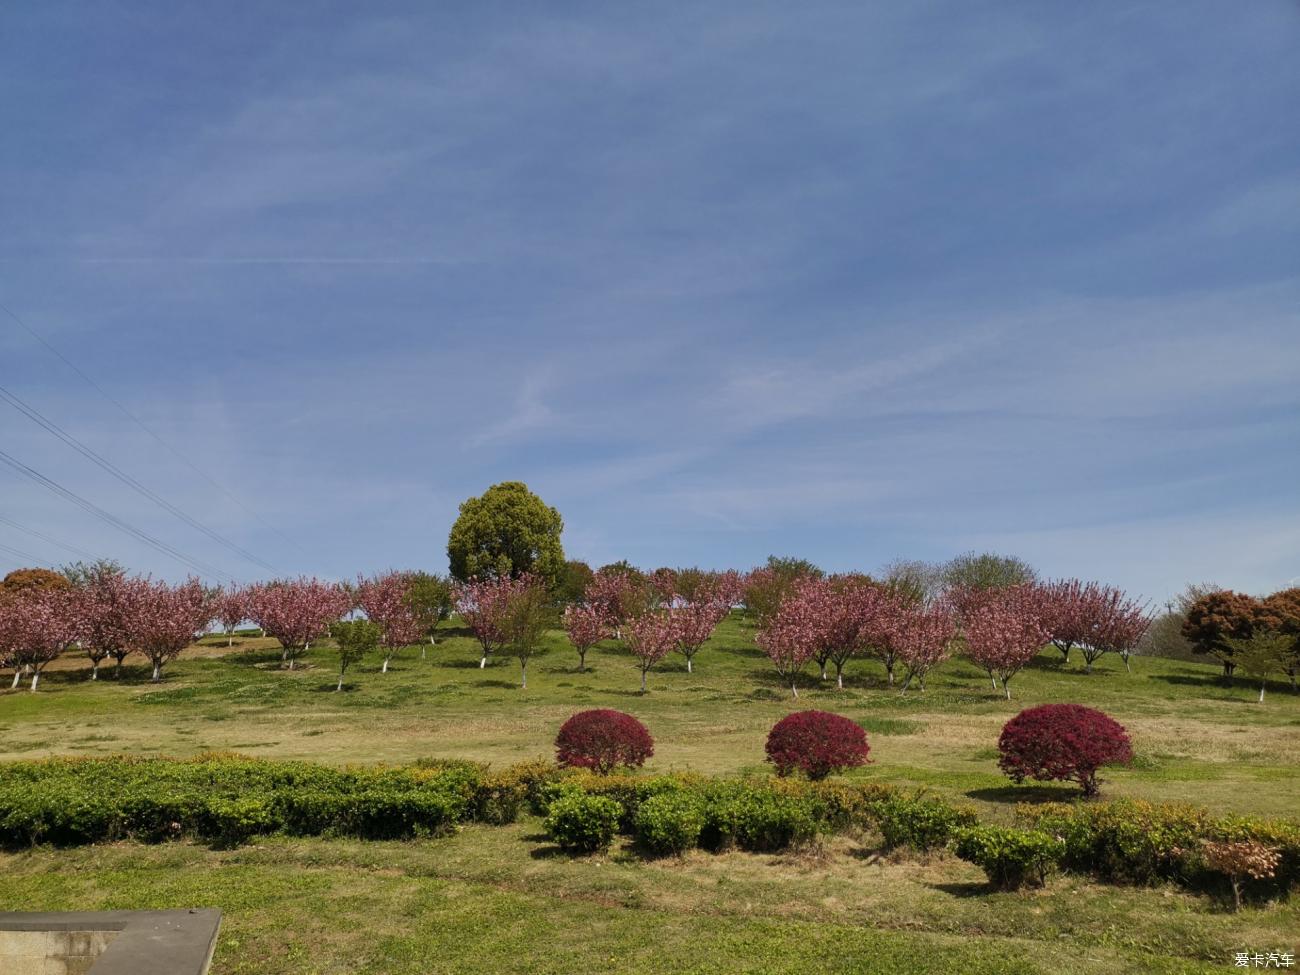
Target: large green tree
x,y
506,531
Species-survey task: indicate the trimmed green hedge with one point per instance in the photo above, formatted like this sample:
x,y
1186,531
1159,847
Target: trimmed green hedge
x,y
228,799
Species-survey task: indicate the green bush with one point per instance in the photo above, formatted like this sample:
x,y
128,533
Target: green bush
x,y
1011,858
756,818
583,823
670,823
918,822
226,799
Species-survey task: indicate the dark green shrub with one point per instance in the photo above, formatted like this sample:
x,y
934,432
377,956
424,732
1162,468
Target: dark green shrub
x,y
757,818
583,823
670,823
1011,858
918,822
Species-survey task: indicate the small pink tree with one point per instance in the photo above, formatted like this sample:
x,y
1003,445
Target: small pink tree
x,y
385,602
1119,627
695,623
651,637
483,604
1006,632
37,625
585,627
922,637
102,606
232,608
790,638
163,620
297,611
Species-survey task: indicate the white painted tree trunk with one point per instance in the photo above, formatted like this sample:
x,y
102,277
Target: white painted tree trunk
x,y
794,689
688,666
18,675
384,668
1261,693
523,674
340,687
36,679
482,663
157,671
94,670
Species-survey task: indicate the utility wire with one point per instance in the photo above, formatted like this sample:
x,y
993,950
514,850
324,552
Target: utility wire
x,y
140,423
46,538
111,519
49,425
26,556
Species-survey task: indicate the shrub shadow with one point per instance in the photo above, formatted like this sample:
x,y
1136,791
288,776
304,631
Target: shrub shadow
x,y
1025,793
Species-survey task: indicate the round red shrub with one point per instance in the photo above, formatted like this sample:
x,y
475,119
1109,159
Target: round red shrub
x,y
1063,742
603,739
816,743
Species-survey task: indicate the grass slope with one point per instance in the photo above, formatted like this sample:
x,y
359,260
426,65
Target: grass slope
x,y
501,899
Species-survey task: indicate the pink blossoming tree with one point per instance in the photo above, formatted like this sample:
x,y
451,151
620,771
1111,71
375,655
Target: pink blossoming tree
x,y
163,620
651,637
385,600
482,604
922,637
298,611
585,626
37,625
102,606
1006,631
231,610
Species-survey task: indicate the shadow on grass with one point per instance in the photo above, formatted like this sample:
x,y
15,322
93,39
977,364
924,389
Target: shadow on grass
x,y
512,684
970,889
1025,793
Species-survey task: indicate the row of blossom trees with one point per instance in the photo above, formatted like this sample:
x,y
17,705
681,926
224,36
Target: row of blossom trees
x,y
112,615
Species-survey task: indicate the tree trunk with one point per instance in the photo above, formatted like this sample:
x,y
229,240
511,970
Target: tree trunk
x,y
157,671
643,682
36,679
230,638
94,670
424,653
582,661
1007,687
483,663
523,674
923,683
688,666
889,669
340,687
994,680
1065,652
18,675
794,689
1127,668
907,683
1087,669
384,668
1261,690
823,670
839,676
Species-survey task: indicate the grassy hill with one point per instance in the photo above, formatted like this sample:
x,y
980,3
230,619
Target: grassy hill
x,y
501,899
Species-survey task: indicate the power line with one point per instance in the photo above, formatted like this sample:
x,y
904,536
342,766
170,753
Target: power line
x,y
26,556
46,538
50,426
141,424
111,519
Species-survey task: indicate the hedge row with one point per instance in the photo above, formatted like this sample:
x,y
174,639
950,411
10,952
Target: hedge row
x,y
227,799
674,813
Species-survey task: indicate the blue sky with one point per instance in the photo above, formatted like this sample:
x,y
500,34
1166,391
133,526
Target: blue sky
x,y
840,280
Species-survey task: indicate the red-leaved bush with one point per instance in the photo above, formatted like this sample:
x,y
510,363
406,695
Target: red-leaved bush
x,y
603,739
816,743
1065,742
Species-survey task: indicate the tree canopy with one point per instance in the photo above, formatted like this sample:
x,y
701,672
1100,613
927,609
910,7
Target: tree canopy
x,y
506,531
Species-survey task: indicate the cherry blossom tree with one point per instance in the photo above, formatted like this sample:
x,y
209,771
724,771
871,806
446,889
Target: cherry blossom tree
x,y
585,626
162,620
619,596
297,611
231,610
922,637
1006,632
481,603
102,604
1121,626
790,638
386,603
37,625
695,623
651,637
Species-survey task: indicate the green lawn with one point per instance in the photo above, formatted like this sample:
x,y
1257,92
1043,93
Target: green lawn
x,y
501,899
